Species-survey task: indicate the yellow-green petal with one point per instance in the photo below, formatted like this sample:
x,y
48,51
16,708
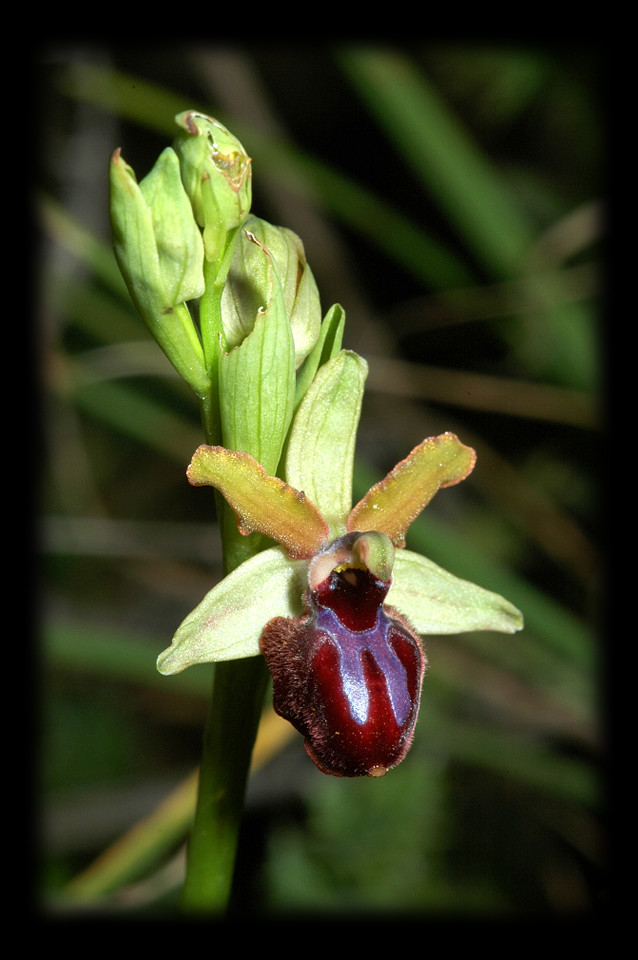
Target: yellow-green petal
x,y
395,502
261,503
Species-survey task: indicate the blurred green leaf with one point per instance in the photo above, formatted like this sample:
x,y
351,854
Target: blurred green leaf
x,y
118,655
439,149
480,204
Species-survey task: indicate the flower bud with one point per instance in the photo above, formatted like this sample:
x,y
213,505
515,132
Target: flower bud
x,y
159,250
347,673
301,294
262,248
157,243
216,171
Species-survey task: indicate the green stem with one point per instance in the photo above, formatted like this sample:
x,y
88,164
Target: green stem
x,y
210,325
239,686
231,727
210,304
229,735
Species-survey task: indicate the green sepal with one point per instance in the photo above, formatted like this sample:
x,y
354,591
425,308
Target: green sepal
x,y
320,454
251,286
229,621
301,295
134,239
261,503
158,244
393,504
302,298
436,602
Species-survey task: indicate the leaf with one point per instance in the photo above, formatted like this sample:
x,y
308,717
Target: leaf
x,y
435,601
229,621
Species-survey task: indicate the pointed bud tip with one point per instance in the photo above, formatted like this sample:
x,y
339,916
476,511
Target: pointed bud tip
x,y
187,121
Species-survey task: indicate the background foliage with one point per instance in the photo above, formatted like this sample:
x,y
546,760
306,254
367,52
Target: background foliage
x,y
449,197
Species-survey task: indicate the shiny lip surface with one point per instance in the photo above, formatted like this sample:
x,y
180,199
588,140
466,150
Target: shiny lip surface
x,y
352,647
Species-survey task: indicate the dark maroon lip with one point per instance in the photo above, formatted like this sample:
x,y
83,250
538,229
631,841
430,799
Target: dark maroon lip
x,y
347,674
354,596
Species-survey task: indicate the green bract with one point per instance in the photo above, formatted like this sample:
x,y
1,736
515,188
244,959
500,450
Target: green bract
x,y
311,508
257,368
320,457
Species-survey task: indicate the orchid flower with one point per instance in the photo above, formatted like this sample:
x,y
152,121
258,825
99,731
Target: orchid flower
x,y
336,604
